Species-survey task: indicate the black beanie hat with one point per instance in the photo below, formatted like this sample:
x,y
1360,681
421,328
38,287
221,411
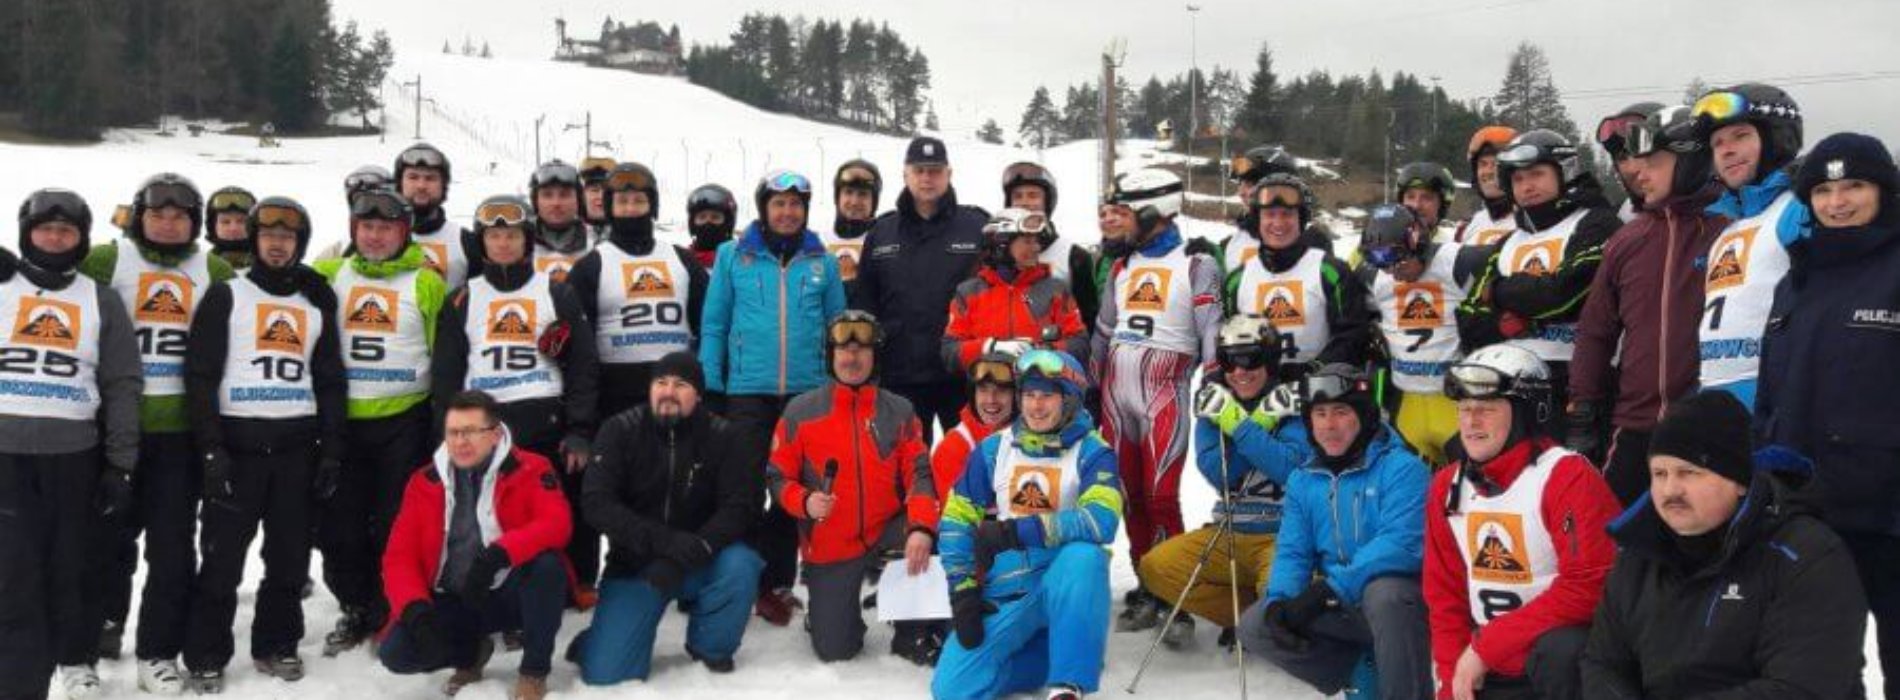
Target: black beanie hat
x,y
684,365
1710,430
1847,156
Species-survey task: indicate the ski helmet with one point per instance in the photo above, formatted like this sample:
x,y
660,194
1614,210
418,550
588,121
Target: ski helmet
x,y
1340,383
368,177
1262,198
383,204
1153,194
781,182
1027,173
1540,146
1507,371
1485,141
1613,131
166,190
427,157
504,210
1769,108
633,177
995,369
1261,161
1391,236
1248,342
554,173
226,200
594,169
279,212
1004,228
1429,176
54,204
853,327
713,197
1054,371
1677,130
858,174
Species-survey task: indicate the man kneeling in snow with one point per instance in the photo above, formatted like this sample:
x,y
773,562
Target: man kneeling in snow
x,y
1029,589
477,549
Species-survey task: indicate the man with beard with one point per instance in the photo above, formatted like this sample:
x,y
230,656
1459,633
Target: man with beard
x,y
561,236
422,176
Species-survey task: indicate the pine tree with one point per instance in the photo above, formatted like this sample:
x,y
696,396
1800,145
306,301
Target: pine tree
x,y
1528,98
1257,118
990,133
291,81
1081,112
1040,125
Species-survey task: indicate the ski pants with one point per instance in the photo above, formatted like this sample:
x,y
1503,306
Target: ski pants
x,y
1389,622
583,550
1627,466
165,511
46,511
835,614
272,488
379,458
618,646
1054,634
1427,422
529,600
1553,671
1147,416
1165,572
774,535
1877,558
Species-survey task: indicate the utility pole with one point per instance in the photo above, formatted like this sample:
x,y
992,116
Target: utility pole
x,y
417,84
1194,92
537,138
1112,57
1434,106
1391,118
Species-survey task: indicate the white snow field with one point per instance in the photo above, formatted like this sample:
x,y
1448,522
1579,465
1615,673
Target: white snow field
x,y
483,115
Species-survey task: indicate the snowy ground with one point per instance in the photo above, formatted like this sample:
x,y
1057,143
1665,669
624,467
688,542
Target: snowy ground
x,y
688,136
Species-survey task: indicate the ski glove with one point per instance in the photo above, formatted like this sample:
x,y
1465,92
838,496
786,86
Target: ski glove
x,y
1013,347
1280,630
115,492
1283,402
664,576
1217,403
328,472
553,340
1316,600
481,574
967,610
219,484
688,550
1581,434
994,537
425,630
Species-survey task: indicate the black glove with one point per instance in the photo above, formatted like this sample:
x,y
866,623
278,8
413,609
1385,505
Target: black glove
x,y
220,480
994,537
967,610
325,481
1580,430
688,550
481,574
1310,604
425,630
574,444
115,492
663,575
9,264
1280,630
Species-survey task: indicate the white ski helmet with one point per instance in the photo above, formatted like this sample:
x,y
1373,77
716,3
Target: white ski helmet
x,y
1152,194
1505,370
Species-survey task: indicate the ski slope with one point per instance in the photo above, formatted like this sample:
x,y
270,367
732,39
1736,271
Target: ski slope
x,y
483,113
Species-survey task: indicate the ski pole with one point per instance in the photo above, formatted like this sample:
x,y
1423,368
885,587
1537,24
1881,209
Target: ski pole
x,y
1233,576
1193,578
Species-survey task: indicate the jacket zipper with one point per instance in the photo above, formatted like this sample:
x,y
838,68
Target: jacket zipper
x,y
672,473
857,450
1663,299
784,290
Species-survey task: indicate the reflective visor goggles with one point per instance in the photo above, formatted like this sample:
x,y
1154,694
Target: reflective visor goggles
x,y
58,205
852,332
629,180
1613,132
557,174
501,214
422,158
996,372
1469,381
357,182
274,216
378,205
1273,196
1722,107
1032,224
857,178
788,181
170,194
1252,356
1049,365
1024,172
1327,388
232,201
1384,257
1522,155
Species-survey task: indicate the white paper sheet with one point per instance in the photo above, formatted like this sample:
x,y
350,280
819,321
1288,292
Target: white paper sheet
x,y
901,596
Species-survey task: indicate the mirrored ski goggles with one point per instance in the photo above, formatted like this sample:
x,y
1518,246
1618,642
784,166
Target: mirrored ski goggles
x,y
378,205
1469,381
1324,388
1271,197
857,178
1721,106
171,194
853,332
788,181
232,201
60,205
1495,137
1243,356
625,179
275,216
357,182
501,214
1522,155
1048,364
1384,257
422,158
1019,173
996,372
557,174
1031,224
1613,132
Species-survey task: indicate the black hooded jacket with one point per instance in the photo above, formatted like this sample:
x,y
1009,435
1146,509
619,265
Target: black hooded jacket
x,y
910,269
650,482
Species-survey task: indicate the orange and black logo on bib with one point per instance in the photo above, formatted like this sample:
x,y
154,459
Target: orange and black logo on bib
x,y
554,266
163,298
847,254
511,321
1728,266
1149,290
1034,490
371,309
646,280
47,323
280,328
1537,259
1497,543
1282,302
1421,304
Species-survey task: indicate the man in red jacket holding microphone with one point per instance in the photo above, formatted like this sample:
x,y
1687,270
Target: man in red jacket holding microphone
x,y
477,549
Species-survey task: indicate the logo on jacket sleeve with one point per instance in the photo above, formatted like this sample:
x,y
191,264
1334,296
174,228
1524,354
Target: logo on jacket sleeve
x,y
163,298
1497,540
281,328
47,323
371,309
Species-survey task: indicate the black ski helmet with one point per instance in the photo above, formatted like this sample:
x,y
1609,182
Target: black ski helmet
x,y
366,178
279,211
1430,176
1769,108
423,155
166,190
226,200
1539,146
852,327
713,197
505,210
1251,220
1261,161
1390,227
1676,129
1613,130
632,177
858,174
54,204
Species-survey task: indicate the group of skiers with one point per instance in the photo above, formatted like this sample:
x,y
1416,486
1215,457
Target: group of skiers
x,y
1518,460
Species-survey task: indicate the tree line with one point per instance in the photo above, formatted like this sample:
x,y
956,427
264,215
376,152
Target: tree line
x,y
859,73
79,66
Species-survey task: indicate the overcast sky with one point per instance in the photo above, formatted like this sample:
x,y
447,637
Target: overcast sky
x,y
1837,57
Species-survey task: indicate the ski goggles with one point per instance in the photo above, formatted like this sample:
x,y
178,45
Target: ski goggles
x,y
1003,225
1725,106
1019,173
378,205
998,372
857,178
57,205
1048,365
860,330
787,181
501,214
1613,132
1384,257
1243,356
231,201
1275,197
360,181
1242,168
1492,137
629,179
423,158
1328,388
1472,381
278,216
556,174
159,195
595,168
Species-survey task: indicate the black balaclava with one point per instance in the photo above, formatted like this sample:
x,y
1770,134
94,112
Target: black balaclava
x,y
277,281
510,277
